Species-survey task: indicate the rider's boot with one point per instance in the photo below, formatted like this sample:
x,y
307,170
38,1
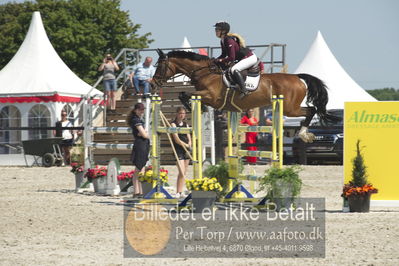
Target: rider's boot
x,y
241,83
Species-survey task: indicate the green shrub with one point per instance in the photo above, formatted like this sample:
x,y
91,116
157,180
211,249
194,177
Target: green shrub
x,y
221,172
274,177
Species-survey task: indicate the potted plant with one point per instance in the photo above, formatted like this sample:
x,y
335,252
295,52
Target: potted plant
x,y
221,172
282,185
125,180
203,192
97,176
77,154
358,190
78,170
149,180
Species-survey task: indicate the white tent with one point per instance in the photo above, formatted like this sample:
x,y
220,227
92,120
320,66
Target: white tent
x,y
186,46
320,62
34,87
36,70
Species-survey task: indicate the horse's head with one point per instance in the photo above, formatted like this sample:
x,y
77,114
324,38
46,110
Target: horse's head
x,y
179,62
164,70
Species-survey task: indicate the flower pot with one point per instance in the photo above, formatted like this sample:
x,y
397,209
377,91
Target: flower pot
x,y
79,180
283,197
123,183
202,199
147,187
359,203
100,185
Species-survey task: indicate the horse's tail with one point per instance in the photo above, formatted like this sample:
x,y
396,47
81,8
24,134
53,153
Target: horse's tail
x,y
318,96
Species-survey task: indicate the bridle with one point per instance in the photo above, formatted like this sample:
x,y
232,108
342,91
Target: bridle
x,y
160,78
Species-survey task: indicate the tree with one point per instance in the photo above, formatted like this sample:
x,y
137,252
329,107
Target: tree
x,y
81,31
359,174
386,94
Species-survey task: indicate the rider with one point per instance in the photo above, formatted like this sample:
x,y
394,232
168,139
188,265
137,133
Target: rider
x,y
234,51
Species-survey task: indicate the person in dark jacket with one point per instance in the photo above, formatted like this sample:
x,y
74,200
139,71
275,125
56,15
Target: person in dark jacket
x,y
141,146
234,52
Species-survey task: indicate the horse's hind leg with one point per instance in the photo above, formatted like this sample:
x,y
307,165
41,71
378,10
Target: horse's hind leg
x,y
308,112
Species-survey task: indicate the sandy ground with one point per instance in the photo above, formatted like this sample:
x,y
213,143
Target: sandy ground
x,y
44,222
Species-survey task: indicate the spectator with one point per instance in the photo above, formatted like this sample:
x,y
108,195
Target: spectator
x,y
180,141
268,121
109,66
67,137
250,137
141,146
142,76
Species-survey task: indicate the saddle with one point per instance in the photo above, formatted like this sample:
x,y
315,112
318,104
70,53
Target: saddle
x,y
250,75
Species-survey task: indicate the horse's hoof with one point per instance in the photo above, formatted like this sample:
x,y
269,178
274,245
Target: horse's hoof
x,y
311,137
307,137
303,138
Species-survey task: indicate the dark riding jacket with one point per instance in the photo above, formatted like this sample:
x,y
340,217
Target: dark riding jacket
x,y
231,50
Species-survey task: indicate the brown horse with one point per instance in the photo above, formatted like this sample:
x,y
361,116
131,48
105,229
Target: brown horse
x,y
208,82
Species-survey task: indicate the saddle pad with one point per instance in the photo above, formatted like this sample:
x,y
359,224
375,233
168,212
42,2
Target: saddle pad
x,y
251,83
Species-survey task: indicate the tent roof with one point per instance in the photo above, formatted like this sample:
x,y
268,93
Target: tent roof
x,y
320,62
37,70
186,45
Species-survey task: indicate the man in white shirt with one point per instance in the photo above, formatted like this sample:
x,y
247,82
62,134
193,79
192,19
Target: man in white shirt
x,y
142,76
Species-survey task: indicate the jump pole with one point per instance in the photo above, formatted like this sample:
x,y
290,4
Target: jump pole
x,y
196,140
197,136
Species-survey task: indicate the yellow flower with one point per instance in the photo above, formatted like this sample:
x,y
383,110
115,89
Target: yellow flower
x,y
149,173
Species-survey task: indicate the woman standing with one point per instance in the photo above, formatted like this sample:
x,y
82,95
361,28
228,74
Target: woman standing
x,y
180,141
67,136
250,137
109,66
141,146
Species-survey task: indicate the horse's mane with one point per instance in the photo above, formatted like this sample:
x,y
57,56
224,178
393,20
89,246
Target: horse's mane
x,y
188,55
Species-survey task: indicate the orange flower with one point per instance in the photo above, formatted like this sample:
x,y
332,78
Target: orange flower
x,y
351,189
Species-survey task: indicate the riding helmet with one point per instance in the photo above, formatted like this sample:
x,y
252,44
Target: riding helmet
x,y
223,26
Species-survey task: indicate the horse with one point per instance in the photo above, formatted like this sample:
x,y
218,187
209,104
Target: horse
x,y
207,78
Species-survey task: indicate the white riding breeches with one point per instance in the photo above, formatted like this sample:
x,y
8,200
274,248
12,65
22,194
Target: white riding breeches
x,y
245,63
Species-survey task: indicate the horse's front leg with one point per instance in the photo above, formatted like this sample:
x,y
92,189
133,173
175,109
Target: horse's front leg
x,y
206,97
185,98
